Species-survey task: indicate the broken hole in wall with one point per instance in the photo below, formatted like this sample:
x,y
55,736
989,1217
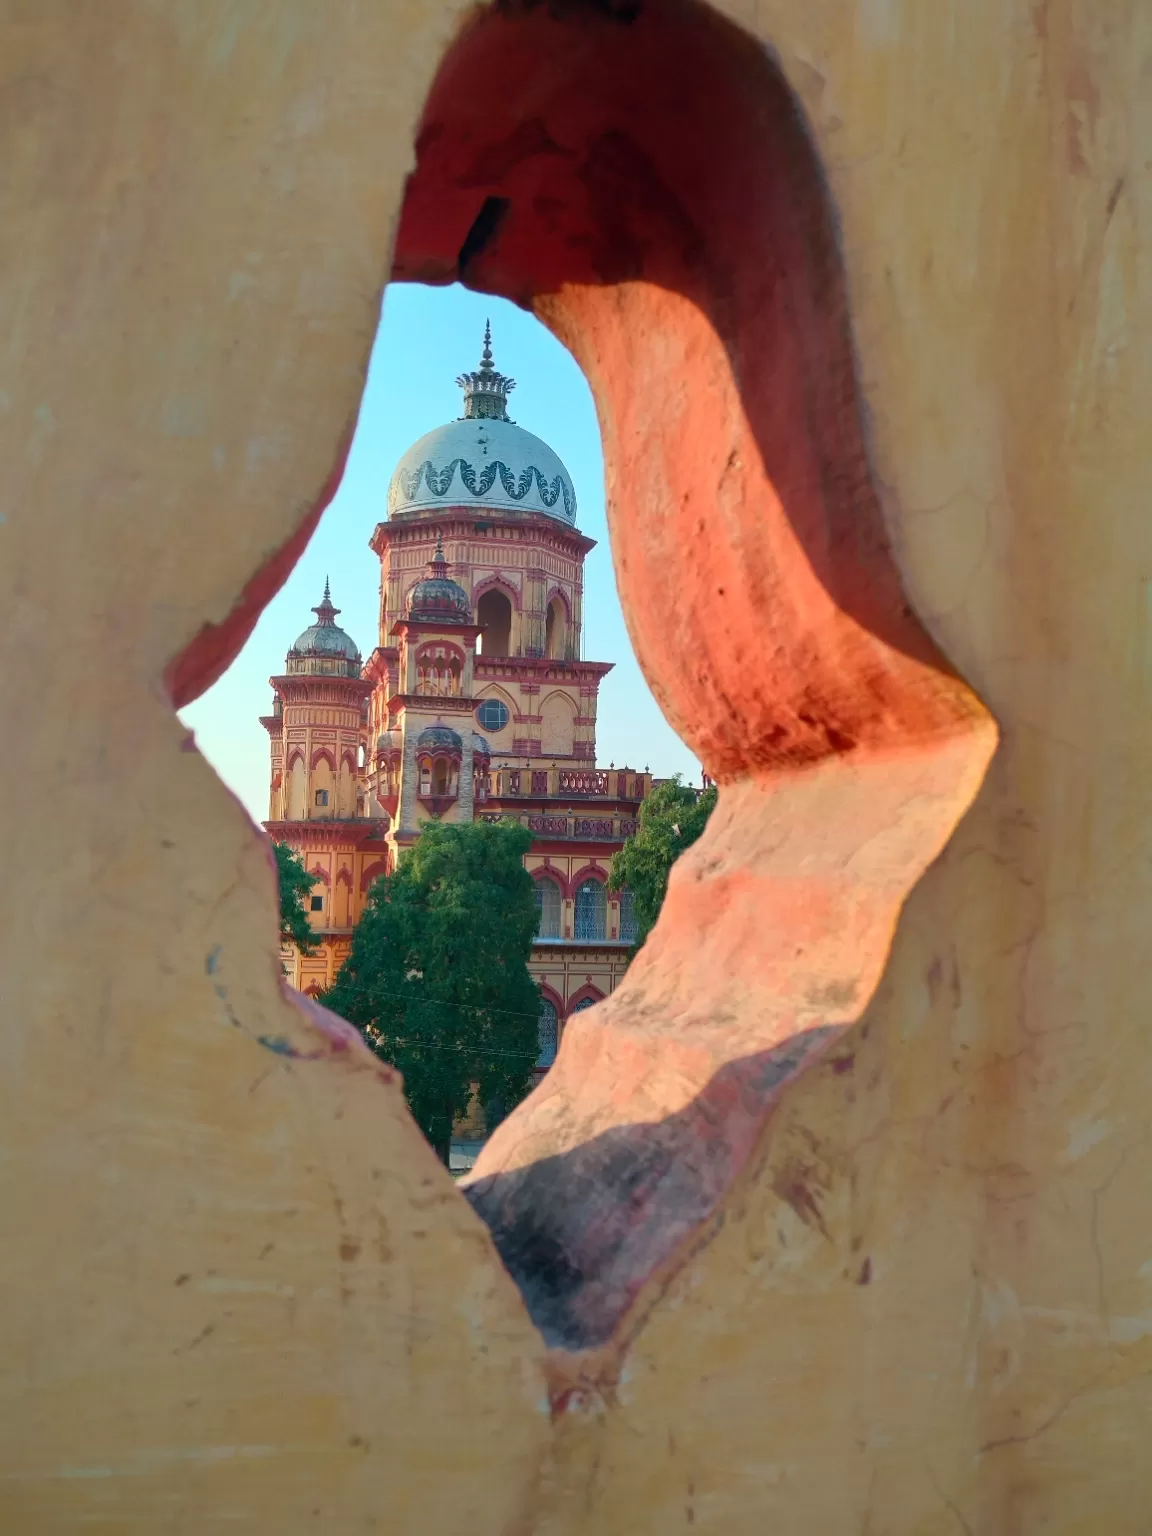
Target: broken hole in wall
x,y
642,180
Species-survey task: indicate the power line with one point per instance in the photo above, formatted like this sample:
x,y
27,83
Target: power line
x,y
444,1045
439,1002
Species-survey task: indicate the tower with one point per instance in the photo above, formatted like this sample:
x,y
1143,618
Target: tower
x,y
316,798
476,700
429,750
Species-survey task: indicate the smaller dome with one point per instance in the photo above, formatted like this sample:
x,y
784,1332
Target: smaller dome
x,y
480,747
325,638
440,736
437,599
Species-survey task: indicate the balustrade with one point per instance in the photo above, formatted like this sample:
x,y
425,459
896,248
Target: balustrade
x,y
583,782
557,783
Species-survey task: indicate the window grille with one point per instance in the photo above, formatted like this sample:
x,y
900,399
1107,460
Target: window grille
x,y
590,910
548,908
627,917
549,1033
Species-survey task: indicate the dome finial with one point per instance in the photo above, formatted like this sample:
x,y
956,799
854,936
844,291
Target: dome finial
x,y
486,390
324,610
324,642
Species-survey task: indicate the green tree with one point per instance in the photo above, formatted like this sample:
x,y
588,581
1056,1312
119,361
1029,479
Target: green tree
x,y
295,887
437,979
671,819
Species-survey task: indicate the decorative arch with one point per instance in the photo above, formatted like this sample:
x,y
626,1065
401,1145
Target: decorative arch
x,y
296,755
586,995
313,989
494,691
349,756
559,592
323,755
550,992
549,894
344,876
497,584
320,874
557,876
588,872
557,614
558,711
452,652
372,872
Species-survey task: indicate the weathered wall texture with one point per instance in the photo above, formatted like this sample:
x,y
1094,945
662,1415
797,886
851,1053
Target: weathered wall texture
x,y
237,1289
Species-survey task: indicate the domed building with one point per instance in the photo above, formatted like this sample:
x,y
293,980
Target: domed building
x,y
475,702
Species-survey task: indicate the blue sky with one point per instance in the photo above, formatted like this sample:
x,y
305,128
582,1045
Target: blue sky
x,y
428,336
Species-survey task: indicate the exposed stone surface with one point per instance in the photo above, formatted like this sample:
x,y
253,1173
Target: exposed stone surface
x,y
236,1285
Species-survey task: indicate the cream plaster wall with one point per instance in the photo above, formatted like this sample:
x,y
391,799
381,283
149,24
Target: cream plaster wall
x,y
240,1287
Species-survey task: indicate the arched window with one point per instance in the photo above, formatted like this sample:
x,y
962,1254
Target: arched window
x,y
555,629
590,908
548,908
585,1002
494,616
426,777
627,917
549,1033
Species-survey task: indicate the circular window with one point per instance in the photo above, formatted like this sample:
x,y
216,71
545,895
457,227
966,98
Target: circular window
x,y
492,715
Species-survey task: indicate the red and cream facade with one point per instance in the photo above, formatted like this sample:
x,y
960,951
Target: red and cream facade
x,y
474,703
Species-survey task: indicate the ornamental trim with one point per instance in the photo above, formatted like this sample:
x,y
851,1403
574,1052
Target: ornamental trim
x,y
478,484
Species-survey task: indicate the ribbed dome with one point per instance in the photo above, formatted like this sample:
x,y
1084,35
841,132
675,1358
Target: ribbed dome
x,y
437,599
482,460
324,640
480,747
440,736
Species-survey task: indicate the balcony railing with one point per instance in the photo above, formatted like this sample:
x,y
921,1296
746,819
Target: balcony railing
x,y
607,829
563,783
583,781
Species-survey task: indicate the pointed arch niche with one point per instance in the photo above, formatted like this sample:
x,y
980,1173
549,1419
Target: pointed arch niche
x,y
641,178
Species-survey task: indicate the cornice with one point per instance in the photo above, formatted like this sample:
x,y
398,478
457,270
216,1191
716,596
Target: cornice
x,y
346,836
467,522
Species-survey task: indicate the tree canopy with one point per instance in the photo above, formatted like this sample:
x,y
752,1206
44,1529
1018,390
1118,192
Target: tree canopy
x,y
671,819
295,887
437,979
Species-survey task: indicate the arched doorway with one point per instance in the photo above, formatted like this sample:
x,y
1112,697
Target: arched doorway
x,y
494,616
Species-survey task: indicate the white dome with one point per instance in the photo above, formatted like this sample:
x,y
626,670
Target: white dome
x,y
486,462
